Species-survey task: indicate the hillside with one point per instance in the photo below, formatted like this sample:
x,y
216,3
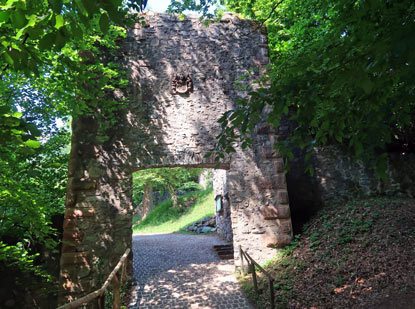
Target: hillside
x,y
165,218
354,255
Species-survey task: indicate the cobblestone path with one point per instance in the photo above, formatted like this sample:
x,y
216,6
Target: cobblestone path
x,y
183,271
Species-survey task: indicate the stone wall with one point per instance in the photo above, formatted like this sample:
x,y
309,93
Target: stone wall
x,y
165,126
223,216
338,176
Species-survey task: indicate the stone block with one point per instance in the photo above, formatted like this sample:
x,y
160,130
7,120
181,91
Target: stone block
x,y
69,224
70,198
279,181
266,129
282,197
274,212
75,258
82,184
279,165
277,240
68,247
268,153
285,226
73,236
79,213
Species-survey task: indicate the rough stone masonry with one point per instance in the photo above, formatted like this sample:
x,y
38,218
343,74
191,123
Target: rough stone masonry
x,y
182,79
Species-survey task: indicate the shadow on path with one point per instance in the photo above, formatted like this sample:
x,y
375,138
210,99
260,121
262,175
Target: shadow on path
x,y
183,271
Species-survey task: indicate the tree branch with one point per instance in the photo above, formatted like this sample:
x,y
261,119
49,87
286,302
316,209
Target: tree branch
x,y
272,11
7,66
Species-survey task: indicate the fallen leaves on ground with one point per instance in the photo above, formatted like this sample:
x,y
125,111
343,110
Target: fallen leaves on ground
x,y
358,254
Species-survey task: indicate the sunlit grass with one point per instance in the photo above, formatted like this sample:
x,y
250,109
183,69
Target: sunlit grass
x,y
166,219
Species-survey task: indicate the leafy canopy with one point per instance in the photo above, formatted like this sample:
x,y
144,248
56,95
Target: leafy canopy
x,y
55,62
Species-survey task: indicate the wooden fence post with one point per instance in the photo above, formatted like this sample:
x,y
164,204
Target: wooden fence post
x,y
241,257
101,301
116,292
252,266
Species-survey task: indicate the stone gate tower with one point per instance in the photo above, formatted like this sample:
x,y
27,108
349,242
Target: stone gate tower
x,y
182,79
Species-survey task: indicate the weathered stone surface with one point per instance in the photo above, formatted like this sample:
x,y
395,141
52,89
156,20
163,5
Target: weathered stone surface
x,y
76,258
276,240
282,196
279,165
158,128
275,212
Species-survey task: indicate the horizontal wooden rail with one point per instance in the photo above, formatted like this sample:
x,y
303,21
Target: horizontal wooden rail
x,y
101,292
252,263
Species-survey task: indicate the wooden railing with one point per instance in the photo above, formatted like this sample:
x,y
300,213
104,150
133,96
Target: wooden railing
x,y
100,293
251,265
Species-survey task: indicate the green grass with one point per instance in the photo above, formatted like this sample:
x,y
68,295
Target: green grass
x,y
166,219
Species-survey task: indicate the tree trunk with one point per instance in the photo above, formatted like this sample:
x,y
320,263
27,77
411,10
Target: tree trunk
x,y
147,203
173,195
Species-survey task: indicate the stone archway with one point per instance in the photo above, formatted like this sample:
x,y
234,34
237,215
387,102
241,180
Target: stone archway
x,y
182,78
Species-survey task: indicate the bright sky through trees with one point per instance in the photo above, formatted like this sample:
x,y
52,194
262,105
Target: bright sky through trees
x,y
158,5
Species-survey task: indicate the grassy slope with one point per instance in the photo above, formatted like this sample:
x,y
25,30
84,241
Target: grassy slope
x,y
166,219
359,254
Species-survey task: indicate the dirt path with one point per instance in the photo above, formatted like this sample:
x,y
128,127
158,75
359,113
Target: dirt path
x,y
183,271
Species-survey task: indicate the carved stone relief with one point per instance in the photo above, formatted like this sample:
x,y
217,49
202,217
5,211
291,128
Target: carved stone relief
x,y
181,84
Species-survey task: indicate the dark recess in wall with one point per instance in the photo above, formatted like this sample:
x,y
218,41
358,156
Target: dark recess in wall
x,y
304,198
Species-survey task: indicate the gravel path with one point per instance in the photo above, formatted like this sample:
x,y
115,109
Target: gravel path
x,y
183,271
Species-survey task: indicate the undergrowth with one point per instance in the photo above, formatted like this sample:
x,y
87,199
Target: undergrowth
x,y
165,218
350,255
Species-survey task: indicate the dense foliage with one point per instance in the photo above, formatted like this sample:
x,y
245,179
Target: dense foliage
x,y
164,179
341,70
55,63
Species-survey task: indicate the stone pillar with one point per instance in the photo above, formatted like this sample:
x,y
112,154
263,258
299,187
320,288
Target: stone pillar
x,y
223,217
97,224
258,193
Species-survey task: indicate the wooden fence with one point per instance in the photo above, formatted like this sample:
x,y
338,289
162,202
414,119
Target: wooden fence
x,y
251,265
100,293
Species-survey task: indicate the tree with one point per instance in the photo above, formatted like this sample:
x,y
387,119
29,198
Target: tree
x,y
55,62
341,71
161,178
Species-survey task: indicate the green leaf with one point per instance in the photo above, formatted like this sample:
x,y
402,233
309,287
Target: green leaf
x,y
59,21
4,16
8,59
116,16
18,19
76,31
35,32
47,41
9,4
104,23
90,6
366,85
32,144
56,5
60,39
